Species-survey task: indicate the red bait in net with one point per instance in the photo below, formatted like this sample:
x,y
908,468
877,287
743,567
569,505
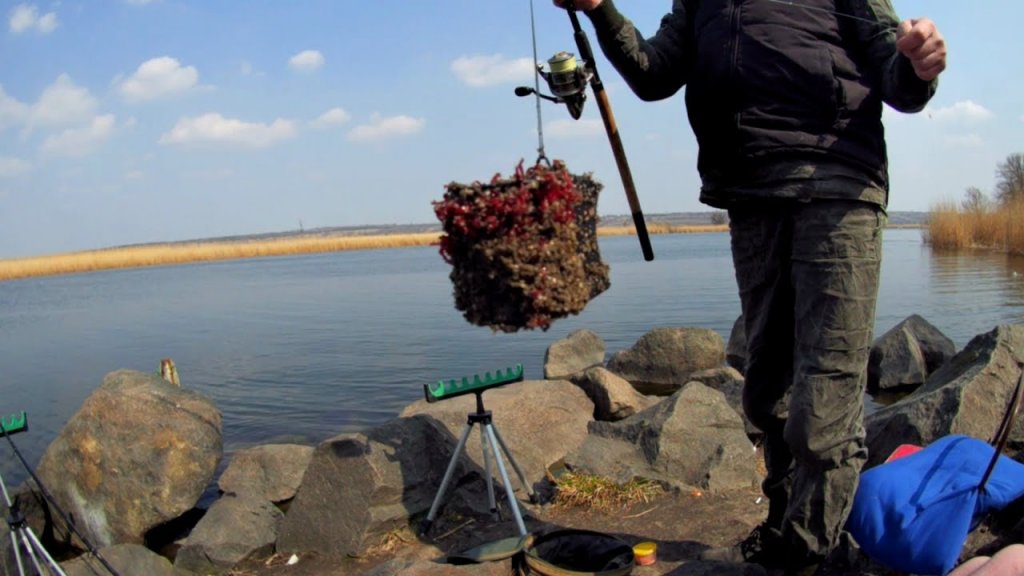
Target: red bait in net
x,y
523,250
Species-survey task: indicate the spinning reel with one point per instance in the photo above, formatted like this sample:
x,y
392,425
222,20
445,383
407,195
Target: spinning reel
x,y
567,79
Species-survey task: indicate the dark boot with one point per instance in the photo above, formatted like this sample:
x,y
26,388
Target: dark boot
x,y
763,546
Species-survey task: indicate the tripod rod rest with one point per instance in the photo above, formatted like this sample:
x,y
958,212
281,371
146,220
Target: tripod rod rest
x,y
479,418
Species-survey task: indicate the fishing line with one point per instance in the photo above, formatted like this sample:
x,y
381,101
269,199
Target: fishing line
x,y
536,87
826,10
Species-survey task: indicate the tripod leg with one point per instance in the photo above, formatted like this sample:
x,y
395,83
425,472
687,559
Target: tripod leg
x,y
488,476
515,466
16,549
30,551
41,551
425,526
504,478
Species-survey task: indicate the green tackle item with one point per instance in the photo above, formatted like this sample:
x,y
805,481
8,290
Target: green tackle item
x,y
444,390
14,423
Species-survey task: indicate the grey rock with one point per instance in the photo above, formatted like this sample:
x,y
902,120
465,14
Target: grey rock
x,y
233,529
691,439
540,420
664,358
360,486
573,355
905,355
271,472
614,398
718,378
968,395
139,452
125,558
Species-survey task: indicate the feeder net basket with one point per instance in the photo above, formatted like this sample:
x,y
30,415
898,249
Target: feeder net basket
x,y
523,249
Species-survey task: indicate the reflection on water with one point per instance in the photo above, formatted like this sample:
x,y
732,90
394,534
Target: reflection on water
x,y
302,348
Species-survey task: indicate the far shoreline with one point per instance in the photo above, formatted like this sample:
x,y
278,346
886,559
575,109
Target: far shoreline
x,y
174,253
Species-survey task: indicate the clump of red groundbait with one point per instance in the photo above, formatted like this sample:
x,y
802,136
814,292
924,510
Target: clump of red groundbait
x,y
523,249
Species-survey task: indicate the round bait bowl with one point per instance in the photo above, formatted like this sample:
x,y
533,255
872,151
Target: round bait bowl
x,y
578,552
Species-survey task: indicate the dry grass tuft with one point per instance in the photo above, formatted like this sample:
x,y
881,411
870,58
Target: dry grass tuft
x,y
391,541
573,489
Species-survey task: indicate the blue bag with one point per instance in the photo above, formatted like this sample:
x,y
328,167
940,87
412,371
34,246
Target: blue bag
x,y
914,513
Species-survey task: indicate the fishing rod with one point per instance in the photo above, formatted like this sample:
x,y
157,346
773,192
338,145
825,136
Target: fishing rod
x,y
568,81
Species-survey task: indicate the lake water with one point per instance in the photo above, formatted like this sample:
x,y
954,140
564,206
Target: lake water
x,y
302,348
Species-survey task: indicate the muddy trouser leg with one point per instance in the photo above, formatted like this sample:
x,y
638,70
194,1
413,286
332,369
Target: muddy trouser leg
x,y
837,252
831,253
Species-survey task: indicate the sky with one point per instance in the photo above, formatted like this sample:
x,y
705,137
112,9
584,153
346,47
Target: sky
x,y
131,121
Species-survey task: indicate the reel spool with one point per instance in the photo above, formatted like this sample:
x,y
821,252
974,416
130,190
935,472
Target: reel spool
x,y
567,79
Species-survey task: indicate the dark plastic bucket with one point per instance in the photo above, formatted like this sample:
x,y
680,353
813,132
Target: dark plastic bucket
x,y
578,552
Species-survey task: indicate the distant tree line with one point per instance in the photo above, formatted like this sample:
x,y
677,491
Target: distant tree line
x,y
1009,187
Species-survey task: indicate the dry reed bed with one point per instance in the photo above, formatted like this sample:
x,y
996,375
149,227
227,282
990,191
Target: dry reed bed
x,y
191,252
995,228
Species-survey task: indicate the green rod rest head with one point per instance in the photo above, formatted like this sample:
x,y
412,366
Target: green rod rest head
x,y
443,390
14,423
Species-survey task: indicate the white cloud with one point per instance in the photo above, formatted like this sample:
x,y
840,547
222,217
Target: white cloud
x,y
158,77
80,141
333,117
963,141
382,128
63,103
11,110
566,128
480,71
215,128
11,167
966,111
26,17
306,61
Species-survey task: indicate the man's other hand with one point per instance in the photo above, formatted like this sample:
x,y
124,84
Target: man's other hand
x,y
919,40
584,5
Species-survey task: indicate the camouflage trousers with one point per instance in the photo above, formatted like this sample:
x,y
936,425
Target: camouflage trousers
x,y
808,275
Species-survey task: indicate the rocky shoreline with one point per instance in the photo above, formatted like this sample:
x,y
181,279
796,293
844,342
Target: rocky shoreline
x,y
666,410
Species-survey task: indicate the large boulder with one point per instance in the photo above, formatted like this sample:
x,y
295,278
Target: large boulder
x,y
233,529
360,486
573,354
690,439
968,395
904,356
272,472
139,452
539,420
662,360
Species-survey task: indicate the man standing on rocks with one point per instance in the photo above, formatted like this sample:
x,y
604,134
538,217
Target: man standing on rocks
x,y
785,99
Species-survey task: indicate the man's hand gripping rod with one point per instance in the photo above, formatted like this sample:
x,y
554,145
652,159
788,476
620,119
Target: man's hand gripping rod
x,y
583,45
